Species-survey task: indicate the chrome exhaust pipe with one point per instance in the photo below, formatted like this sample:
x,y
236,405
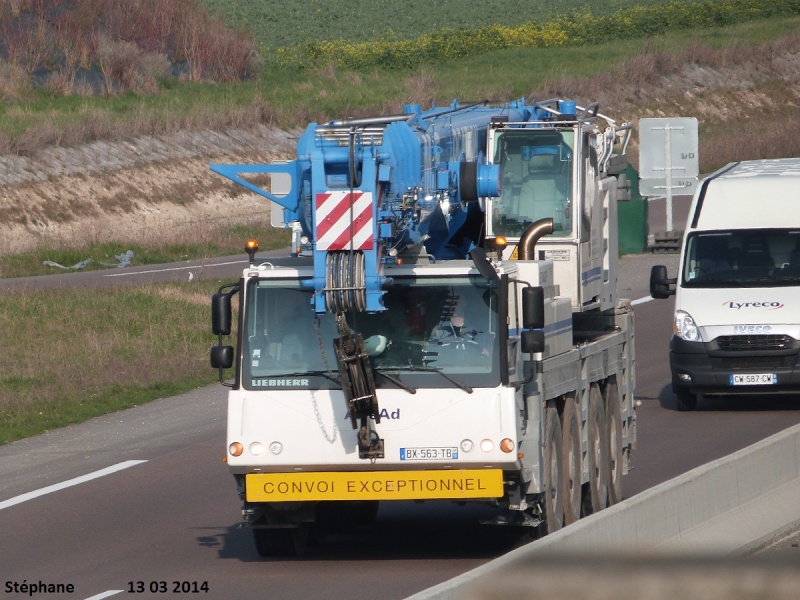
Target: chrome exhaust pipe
x,y
532,235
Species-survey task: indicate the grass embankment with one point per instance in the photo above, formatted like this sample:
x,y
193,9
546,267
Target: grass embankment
x,y
75,354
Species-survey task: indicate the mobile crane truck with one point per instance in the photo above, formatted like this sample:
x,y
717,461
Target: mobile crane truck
x,y
447,326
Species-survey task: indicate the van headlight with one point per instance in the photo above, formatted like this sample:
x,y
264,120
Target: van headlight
x,y
685,327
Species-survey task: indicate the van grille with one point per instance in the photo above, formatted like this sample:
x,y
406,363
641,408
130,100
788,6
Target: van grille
x,y
751,363
754,343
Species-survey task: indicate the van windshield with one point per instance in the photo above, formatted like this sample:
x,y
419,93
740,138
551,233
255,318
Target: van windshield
x,y
742,258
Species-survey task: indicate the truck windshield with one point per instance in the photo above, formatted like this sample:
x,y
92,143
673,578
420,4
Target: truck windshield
x,y
742,257
443,325
536,167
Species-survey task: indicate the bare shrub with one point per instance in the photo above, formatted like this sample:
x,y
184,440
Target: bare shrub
x,y
649,66
756,138
31,45
230,55
191,45
129,41
698,53
36,137
125,67
143,73
14,83
421,88
788,44
58,84
5,143
327,71
95,125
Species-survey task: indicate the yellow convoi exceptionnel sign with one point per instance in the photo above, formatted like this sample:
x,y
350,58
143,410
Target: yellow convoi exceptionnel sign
x,y
376,485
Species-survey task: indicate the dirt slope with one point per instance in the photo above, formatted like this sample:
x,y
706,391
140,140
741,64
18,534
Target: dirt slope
x,y
135,190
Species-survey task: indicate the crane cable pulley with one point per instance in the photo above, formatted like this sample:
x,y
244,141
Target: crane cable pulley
x,y
346,271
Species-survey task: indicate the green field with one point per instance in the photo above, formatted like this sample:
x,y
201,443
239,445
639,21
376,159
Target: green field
x,y
293,22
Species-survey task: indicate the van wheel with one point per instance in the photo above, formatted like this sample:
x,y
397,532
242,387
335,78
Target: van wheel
x,y
686,400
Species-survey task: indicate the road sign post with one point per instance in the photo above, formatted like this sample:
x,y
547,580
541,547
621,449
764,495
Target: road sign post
x,y
668,158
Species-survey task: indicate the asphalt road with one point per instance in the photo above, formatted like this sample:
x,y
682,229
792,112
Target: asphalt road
x,y
172,519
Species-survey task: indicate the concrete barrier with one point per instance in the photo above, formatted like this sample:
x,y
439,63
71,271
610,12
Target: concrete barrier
x,y
731,507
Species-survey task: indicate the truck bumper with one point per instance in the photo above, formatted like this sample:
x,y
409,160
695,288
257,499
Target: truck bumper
x,y
705,369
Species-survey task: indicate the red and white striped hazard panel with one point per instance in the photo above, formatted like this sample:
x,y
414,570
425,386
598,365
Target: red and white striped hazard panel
x,y
333,221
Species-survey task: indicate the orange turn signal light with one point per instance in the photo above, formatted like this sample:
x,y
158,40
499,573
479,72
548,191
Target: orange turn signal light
x,y
507,445
236,449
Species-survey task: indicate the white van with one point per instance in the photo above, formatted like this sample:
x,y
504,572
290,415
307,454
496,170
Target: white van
x,y
737,295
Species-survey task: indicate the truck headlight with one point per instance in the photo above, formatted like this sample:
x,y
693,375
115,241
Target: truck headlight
x,y
685,327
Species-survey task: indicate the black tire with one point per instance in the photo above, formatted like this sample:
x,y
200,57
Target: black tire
x,y
572,469
595,493
553,501
685,400
276,543
613,406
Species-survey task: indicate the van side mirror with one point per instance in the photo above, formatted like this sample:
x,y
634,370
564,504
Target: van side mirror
x,y
533,307
661,286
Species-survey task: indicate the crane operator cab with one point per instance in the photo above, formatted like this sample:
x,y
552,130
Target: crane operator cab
x,y
537,181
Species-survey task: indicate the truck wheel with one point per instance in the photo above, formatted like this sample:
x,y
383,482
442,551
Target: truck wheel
x,y
686,400
595,494
571,471
282,542
553,501
613,405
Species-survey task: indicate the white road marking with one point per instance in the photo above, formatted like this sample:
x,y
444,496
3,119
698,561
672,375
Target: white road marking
x,y
148,272
69,483
641,300
105,594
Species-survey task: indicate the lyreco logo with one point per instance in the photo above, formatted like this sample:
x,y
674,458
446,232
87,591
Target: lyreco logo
x,y
740,305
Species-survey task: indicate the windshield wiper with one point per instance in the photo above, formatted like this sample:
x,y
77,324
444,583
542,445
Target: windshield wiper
x,y
325,374
397,382
427,369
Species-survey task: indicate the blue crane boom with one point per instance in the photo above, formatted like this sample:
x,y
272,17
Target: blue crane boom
x,y
369,191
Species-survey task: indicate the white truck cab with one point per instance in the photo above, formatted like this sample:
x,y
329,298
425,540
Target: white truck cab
x,y
737,295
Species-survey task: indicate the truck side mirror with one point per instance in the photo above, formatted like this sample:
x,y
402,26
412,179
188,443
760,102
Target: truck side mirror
x,y
221,357
533,307
221,313
660,283
532,340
